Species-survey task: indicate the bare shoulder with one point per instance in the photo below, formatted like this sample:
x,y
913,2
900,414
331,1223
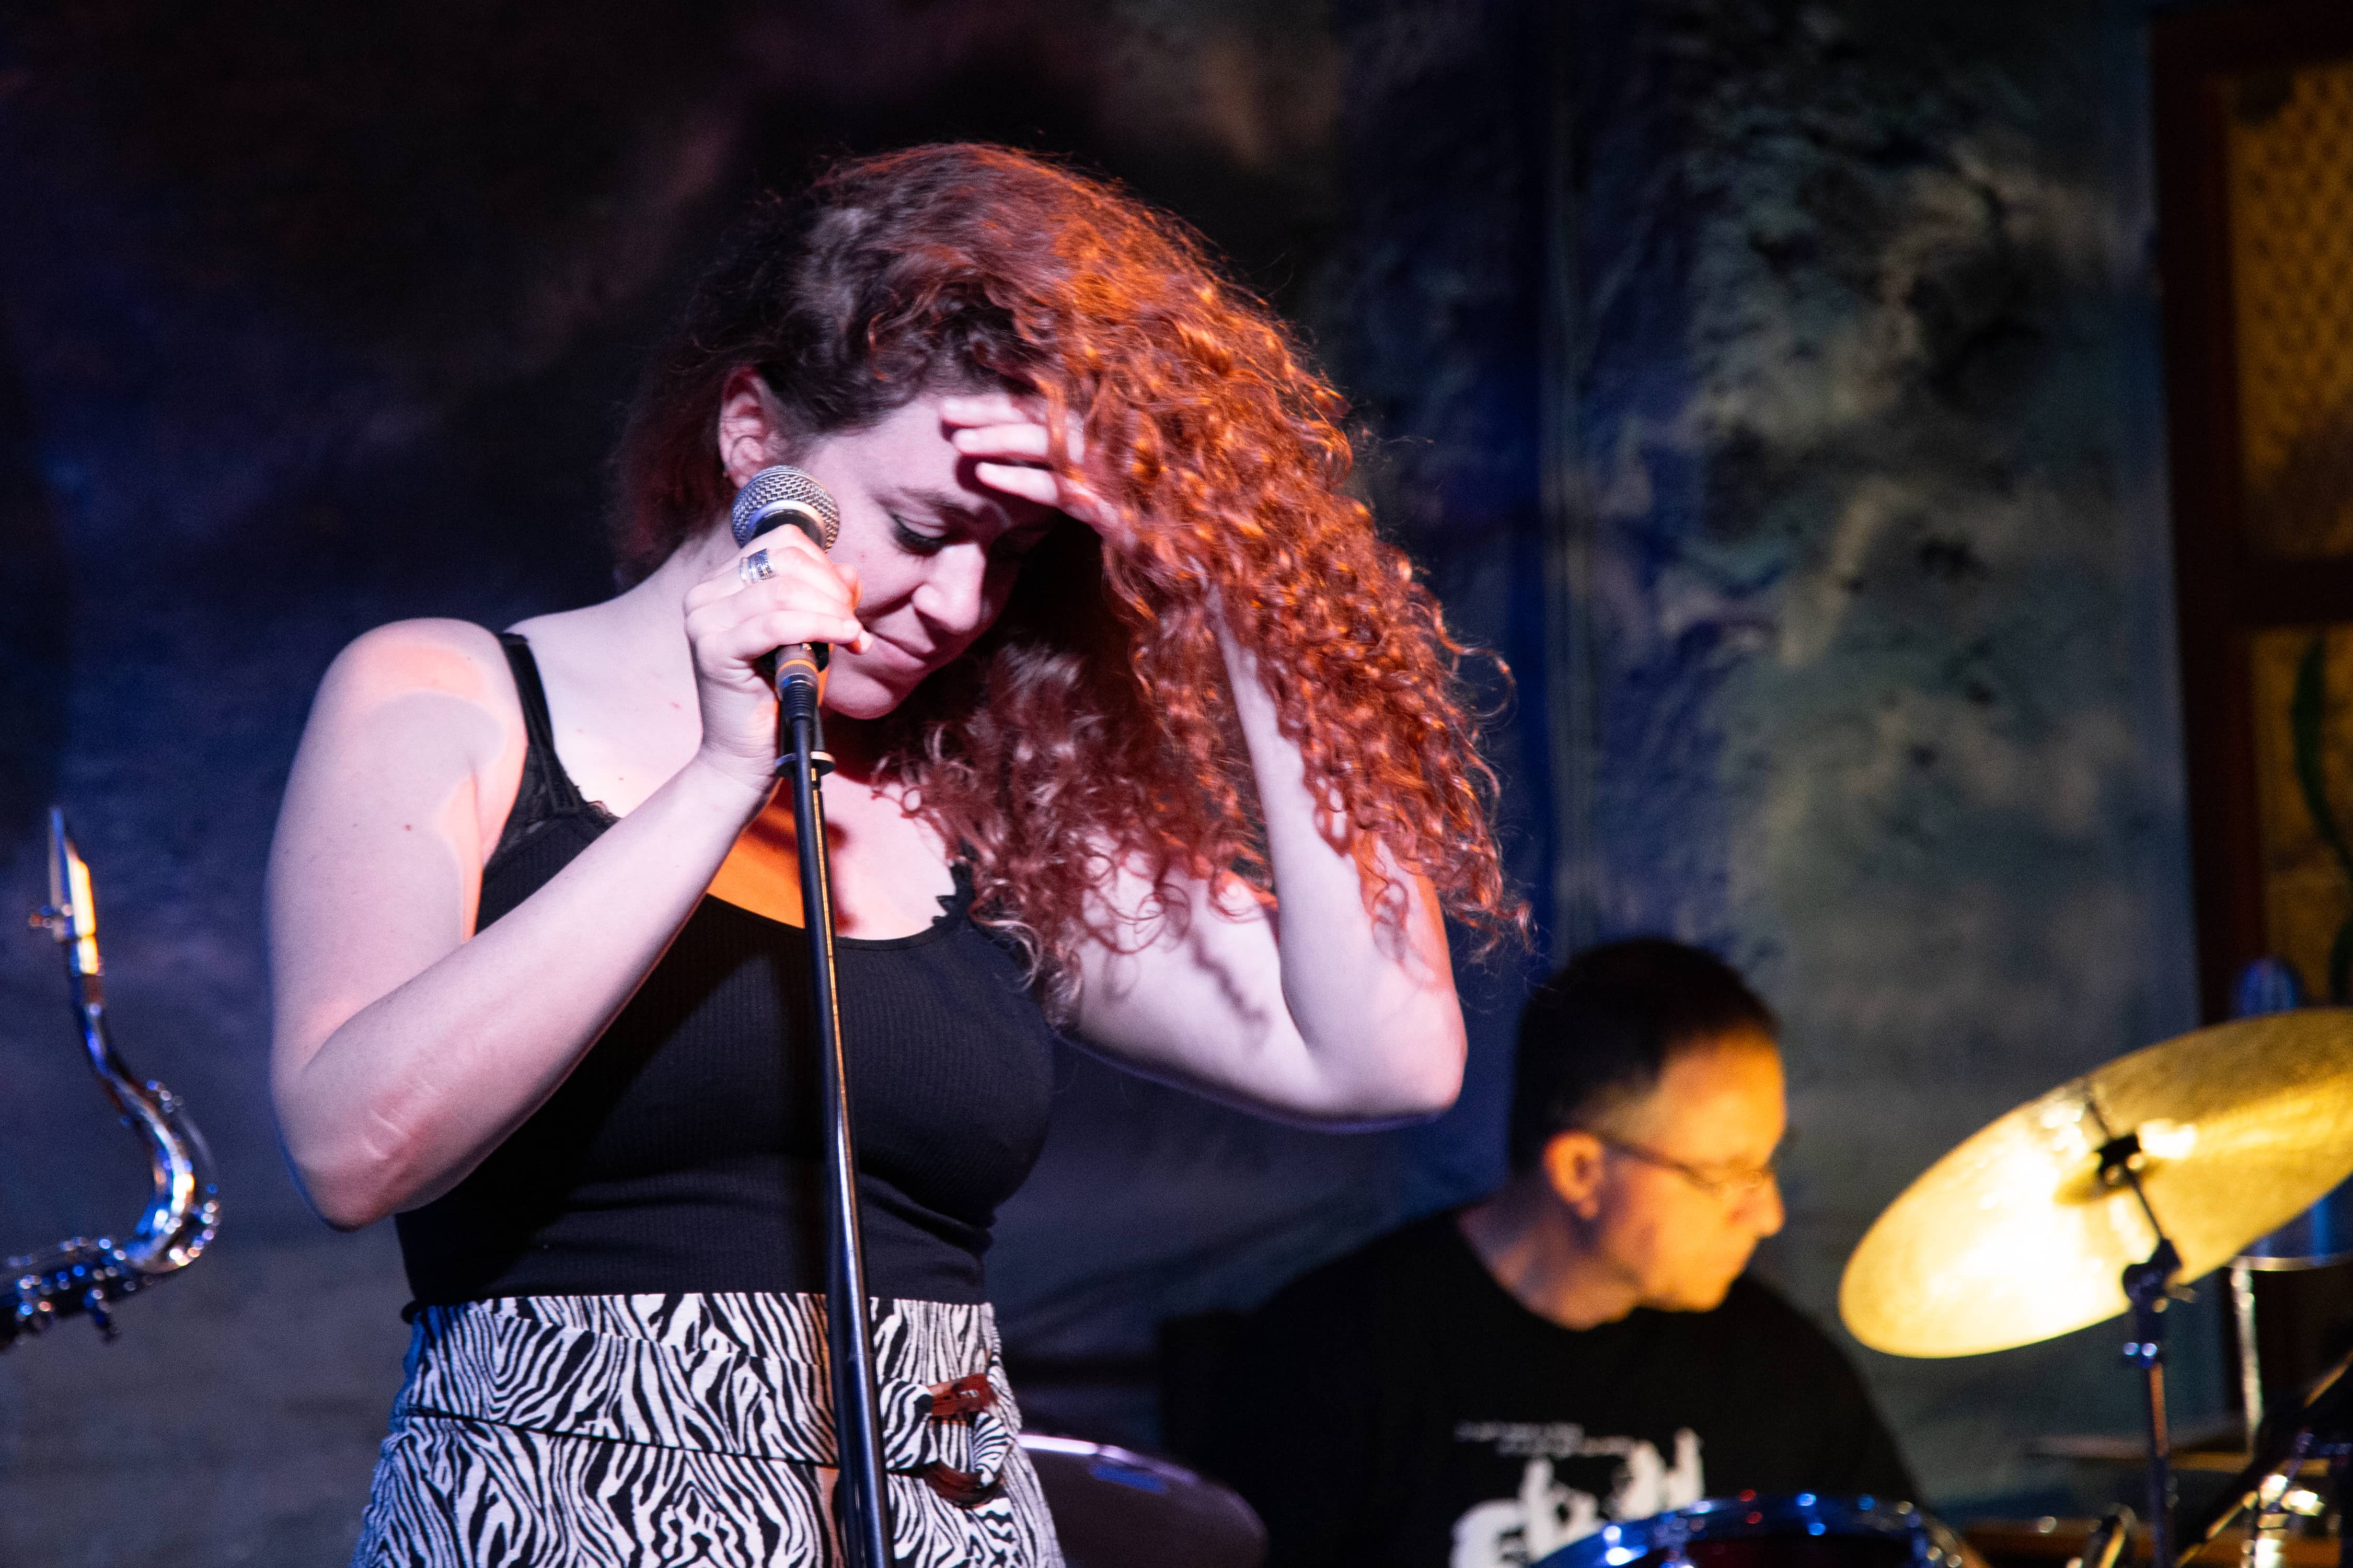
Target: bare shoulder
x,y
452,658
427,701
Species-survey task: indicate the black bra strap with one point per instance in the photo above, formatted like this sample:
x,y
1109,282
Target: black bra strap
x,y
536,724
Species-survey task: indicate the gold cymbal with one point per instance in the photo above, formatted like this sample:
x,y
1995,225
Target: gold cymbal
x,y
2014,1237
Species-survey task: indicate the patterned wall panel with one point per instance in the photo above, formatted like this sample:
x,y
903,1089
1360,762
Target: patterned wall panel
x,y
2290,168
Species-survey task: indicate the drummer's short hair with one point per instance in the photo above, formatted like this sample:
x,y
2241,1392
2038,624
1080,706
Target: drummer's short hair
x,y
1598,1035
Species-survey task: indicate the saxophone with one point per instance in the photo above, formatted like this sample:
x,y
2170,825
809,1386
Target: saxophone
x,y
80,1274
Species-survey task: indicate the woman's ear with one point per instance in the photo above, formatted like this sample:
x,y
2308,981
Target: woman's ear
x,y
751,426
1572,1167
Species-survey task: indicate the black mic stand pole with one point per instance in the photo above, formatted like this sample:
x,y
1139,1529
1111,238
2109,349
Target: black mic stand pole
x,y
864,1522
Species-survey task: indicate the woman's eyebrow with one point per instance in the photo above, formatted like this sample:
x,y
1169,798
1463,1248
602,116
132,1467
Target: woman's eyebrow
x,y
946,505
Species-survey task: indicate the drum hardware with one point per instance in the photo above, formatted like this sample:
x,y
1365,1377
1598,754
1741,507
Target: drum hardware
x,y
1112,1508
2046,1220
2318,1238
2192,1451
2251,1367
2055,1543
2314,1239
1808,1530
2108,1542
2321,1427
81,1275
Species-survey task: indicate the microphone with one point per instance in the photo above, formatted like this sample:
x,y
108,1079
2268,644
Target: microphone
x,y
777,497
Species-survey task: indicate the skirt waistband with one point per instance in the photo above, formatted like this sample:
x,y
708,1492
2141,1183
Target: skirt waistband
x,y
738,1372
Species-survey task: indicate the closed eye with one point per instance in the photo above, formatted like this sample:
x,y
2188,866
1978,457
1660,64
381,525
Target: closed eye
x,y
913,541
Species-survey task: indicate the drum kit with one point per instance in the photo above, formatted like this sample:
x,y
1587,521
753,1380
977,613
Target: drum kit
x,y
2108,1196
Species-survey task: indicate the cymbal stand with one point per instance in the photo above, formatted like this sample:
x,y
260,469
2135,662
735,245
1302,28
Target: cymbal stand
x,y
2251,1369
2148,1286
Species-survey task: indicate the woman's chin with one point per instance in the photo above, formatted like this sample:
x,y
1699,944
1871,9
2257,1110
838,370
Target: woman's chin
x,y
852,694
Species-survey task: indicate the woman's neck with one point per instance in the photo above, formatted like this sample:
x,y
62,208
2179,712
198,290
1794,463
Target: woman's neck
x,y
855,746
640,632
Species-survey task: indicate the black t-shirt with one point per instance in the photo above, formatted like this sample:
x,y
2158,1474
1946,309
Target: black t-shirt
x,y
1400,1408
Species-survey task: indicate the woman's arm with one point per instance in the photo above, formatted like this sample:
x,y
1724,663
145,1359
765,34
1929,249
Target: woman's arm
x,y
1312,1006
406,1046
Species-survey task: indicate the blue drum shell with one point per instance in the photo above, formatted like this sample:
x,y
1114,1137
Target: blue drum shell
x,y
1807,1530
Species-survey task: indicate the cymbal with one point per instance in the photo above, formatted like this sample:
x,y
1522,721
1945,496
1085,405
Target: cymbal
x,y
2014,1236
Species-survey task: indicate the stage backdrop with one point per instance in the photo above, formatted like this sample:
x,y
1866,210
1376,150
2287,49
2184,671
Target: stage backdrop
x,y
1773,385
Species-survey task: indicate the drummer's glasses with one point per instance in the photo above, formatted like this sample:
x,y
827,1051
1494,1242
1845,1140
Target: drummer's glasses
x,y
1731,1184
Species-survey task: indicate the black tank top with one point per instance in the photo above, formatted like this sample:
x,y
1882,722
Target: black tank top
x,y
683,1153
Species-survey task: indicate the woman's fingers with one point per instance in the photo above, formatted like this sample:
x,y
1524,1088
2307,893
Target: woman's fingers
x,y
782,549
1026,439
777,590
726,641
748,639
1008,438
1048,488
787,552
987,408
1012,457
794,591
1030,484
997,425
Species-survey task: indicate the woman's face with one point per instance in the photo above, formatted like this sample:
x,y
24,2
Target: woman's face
x,y
936,551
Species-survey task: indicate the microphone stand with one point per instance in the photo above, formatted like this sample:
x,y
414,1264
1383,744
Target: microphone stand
x,y
863,1520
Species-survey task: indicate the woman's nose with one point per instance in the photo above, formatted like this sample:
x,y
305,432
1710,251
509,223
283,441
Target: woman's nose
x,y
954,595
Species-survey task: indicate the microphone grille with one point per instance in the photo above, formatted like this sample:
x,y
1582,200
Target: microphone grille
x,y
783,494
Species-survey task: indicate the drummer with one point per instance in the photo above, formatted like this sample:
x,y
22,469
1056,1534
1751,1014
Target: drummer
x,y
1487,1385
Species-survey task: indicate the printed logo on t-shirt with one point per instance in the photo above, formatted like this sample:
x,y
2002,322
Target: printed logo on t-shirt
x,y
1548,1513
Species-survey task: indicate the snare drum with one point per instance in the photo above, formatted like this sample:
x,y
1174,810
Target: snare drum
x,y
1809,1530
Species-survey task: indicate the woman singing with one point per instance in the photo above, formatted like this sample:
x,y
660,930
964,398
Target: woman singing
x,y
1141,735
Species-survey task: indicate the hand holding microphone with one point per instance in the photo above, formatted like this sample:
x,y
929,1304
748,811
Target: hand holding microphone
x,y
776,497
758,626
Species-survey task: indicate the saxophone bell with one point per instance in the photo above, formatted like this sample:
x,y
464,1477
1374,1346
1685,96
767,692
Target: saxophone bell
x,y
86,1276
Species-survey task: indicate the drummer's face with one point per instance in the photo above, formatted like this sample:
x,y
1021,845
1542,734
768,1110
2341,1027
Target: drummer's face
x,y
1719,1110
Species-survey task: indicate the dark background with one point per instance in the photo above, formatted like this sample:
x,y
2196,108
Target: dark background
x,y
1774,385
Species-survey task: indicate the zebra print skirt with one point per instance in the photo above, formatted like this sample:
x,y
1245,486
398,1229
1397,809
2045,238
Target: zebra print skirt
x,y
613,1430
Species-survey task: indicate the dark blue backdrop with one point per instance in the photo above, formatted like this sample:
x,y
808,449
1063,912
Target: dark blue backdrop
x,y
1772,384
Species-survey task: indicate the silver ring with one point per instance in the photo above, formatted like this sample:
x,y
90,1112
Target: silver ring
x,y
754,568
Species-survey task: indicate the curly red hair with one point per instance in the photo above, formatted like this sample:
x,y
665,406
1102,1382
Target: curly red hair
x,y
1093,725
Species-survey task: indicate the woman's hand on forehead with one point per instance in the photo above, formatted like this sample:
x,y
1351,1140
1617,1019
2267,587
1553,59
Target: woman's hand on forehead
x,y
1010,442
